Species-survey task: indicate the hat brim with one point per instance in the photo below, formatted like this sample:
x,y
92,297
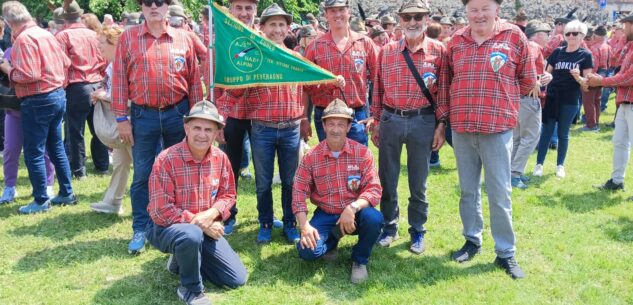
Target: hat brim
x,y
414,10
263,19
337,115
204,117
626,19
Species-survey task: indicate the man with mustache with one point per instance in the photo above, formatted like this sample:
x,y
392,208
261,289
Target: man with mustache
x,y
623,133
339,177
406,116
490,68
192,190
155,68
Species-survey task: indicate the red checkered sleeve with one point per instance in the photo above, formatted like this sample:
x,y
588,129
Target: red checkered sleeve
x,y
181,187
155,72
275,103
552,45
82,47
396,87
38,63
357,64
600,53
623,80
488,79
234,105
334,183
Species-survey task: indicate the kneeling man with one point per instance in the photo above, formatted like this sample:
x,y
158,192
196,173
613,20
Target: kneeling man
x,y
191,192
340,178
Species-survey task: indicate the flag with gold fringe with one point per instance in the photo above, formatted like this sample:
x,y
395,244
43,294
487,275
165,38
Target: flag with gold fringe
x,y
243,58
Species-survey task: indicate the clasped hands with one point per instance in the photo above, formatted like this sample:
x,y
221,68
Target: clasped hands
x,y
209,223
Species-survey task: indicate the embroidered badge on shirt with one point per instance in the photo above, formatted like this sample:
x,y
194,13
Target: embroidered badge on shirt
x,y
359,63
497,60
429,79
353,183
179,63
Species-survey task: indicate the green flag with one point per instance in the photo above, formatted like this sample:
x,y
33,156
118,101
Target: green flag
x,y
245,59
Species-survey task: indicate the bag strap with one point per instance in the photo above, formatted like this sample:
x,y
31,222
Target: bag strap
x,y
418,78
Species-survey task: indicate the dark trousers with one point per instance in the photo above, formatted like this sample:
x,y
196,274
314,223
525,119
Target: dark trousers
x,y
199,257
79,110
417,134
152,130
234,133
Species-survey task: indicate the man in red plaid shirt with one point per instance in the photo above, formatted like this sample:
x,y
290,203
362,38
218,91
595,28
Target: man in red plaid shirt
x,y
490,69
406,116
350,55
340,178
191,192
623,133
277,117
38,73
84,77
157,70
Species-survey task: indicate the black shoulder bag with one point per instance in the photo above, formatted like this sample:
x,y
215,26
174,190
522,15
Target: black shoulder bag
x,y
418,78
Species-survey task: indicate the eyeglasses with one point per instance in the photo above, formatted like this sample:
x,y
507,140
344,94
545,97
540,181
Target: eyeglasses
x,y
572,33
407,17
158,3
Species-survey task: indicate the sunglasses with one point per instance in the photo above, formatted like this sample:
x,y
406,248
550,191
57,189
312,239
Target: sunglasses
x,y
158,3
572,33
417,17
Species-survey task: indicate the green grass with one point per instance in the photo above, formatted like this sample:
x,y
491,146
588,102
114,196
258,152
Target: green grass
x,y
574,243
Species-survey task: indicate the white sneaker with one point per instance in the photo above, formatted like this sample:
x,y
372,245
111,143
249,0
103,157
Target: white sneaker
x,y
538,170
107,208
560,171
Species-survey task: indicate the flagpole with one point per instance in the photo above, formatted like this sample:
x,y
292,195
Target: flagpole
x,y
211,57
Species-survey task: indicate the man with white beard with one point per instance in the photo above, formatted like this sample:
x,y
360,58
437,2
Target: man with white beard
x,y
411,110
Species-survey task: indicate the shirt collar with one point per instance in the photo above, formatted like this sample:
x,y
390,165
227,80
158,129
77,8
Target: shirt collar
x,y
498,27
27,25
145,30
403,44
76,25
353,36
188,157
346,149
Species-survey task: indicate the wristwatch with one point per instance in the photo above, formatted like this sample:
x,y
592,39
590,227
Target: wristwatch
x,y
355,206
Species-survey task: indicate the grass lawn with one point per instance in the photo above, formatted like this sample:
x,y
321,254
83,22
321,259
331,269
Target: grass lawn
x,y
574,244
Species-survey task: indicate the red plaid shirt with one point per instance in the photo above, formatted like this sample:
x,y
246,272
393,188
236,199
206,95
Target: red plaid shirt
x,y
82,47
536,51
395,86
180,186
624,79
488,79
39,64
357,63
154,72
273,103
334,183
601,56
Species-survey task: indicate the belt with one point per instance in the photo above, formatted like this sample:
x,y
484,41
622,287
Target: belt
x,y
159,109
409,113
279,125
626,103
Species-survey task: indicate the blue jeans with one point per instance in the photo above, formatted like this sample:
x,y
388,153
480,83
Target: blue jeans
x,y
448,134
368,223
151,129
606,91
42,129
357,133
246,153
565,117
266,142
199,256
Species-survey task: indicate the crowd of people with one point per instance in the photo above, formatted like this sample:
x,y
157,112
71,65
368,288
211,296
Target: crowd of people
x,y
495,90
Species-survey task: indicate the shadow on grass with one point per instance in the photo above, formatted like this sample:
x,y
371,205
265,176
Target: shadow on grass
x,y
580,202
71,254
389,268
153,286
620,230
66,226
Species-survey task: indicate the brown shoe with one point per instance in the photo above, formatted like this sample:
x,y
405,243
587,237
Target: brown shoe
x,y
359,273
331,255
